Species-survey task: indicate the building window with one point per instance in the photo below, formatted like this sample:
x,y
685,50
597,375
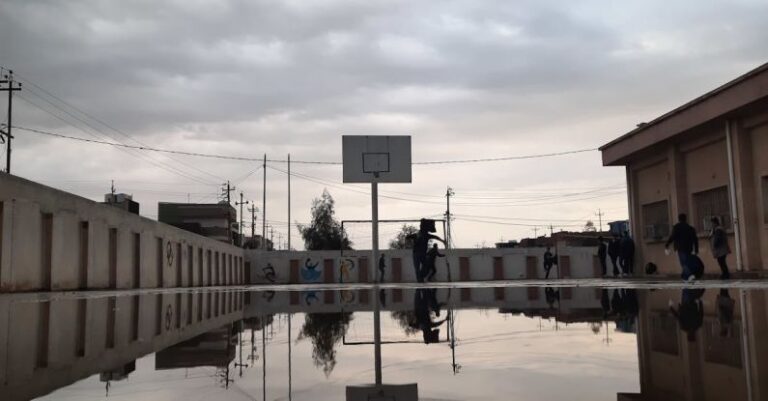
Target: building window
x,y
656,221
709,204
765,199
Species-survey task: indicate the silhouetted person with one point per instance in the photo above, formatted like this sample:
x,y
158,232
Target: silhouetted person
x,y
627,254
549,261
602,252
425,302
690,312
605,302
720,249
686,244
382,265
725,307
552,295
614,248
430,268
420,246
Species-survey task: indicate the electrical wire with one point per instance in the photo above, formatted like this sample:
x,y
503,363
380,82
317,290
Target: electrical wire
x,y
154,162
24,80
285,161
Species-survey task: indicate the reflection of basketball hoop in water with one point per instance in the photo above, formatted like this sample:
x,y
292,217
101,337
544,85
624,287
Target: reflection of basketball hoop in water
x,y
345,267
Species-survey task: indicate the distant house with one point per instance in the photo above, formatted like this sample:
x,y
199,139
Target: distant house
x,y
212,220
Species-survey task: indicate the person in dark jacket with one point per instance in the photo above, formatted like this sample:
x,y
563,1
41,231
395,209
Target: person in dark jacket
x,y
430,268
686,244
382,266
718,241
549,262
602,250
690,312
614,248
627,254
426,227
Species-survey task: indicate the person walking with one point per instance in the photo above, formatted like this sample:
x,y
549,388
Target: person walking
x,y
627,254
429,265
614,248
602,253
549,261
686,244
718,241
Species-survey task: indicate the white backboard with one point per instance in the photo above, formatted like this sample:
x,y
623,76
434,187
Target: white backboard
x,y
370,158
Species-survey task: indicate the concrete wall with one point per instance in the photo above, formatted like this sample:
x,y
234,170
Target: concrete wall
x,y
715,365
307,267
674,171
48,345
53,240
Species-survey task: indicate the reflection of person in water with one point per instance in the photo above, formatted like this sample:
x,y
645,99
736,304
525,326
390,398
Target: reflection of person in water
x,y
552,295
420,246
725,307
429,266
690,312
424,303
625,306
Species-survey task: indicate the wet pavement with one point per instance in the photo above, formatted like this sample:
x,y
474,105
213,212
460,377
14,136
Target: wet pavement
x,y
584,339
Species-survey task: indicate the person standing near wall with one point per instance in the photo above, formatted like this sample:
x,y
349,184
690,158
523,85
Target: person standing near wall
x,y
720,249
686,244
601,254
627,254
382,266
549,261
613,252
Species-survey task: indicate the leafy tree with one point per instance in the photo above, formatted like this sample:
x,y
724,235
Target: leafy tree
x,y
406,319
324,232
325,330
590,227
405,238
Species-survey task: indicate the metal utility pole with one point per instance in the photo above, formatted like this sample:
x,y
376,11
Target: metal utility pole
x,y
225,194
289,201
600,215
264,206
253,211
240,225
448,193
272,236
8,79
375,258
535,232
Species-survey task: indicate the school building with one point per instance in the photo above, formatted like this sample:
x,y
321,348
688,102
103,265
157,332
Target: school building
x,y
708,157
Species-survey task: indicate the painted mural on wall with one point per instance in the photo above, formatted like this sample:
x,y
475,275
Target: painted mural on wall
x,y
310,273
346,265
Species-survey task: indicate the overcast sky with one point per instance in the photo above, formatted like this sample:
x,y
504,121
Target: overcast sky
x,y
467,79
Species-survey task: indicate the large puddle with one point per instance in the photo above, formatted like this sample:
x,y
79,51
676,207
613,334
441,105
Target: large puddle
x,y
481,343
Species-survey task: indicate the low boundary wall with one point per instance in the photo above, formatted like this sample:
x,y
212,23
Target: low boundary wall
x,y
54,240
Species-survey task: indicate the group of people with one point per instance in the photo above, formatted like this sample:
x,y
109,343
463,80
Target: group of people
x,y
686,244
621,250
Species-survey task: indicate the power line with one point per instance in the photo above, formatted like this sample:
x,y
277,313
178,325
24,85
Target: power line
x,y
251,159
108,126
134,153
